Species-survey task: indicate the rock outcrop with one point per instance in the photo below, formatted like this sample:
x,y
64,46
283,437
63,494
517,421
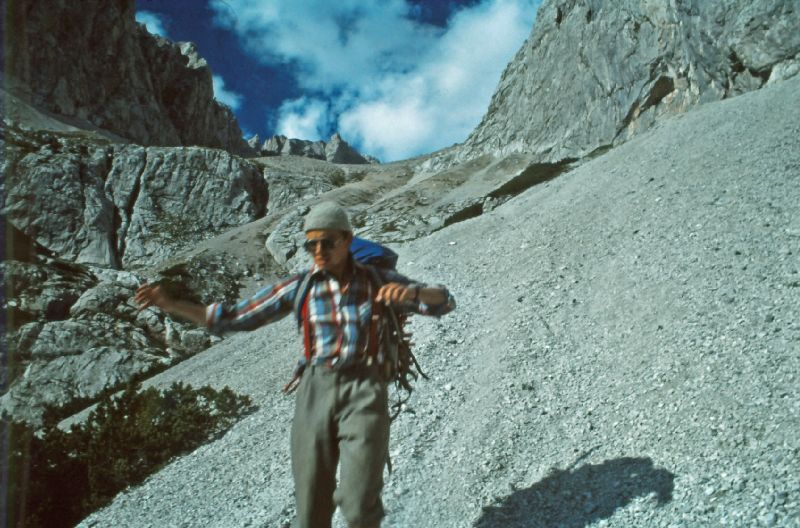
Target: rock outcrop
x,y
73,333
91,61
124,205
592,74
337,150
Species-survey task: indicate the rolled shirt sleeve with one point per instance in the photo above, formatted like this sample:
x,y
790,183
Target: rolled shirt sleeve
x,y
266,306
434,310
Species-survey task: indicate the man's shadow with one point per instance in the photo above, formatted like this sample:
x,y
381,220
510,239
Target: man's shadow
x,y
573,498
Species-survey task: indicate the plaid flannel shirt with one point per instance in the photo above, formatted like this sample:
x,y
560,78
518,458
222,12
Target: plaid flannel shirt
x,y
338,320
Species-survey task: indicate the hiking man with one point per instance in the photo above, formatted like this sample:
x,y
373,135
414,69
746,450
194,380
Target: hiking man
x,y
341,412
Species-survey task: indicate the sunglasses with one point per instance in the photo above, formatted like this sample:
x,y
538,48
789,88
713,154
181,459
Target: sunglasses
x,y
326,244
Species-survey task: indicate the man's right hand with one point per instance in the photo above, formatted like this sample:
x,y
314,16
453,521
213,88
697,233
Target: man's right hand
x,y
152,295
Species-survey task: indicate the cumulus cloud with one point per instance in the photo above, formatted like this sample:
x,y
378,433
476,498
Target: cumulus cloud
x,y
393,87
225,96
304,118
153,22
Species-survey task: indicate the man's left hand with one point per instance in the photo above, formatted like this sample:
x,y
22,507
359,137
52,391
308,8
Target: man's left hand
x,y
396,293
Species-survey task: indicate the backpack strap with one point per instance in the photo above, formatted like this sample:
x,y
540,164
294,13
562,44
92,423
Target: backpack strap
x,y
301,312
378,310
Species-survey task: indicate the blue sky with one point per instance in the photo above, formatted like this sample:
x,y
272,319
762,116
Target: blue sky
x,y
397,78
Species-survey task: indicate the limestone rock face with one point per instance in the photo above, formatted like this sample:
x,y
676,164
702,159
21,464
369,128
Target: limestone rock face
x,y
74,333
293,180
592,73
123,205
91,60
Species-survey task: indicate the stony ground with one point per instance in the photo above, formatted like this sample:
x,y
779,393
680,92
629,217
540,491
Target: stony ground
x,y
625,353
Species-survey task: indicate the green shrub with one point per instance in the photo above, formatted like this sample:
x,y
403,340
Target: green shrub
x,y
56,478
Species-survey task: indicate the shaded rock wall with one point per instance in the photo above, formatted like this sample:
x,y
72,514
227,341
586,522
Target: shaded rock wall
x,y
593,73
91,60
124,205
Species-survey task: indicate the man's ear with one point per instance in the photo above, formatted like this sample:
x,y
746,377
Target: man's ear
x,y
348,237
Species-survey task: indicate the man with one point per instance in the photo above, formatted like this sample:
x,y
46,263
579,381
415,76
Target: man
x,y
341,413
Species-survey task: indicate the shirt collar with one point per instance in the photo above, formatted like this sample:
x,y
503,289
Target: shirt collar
x,y
352,266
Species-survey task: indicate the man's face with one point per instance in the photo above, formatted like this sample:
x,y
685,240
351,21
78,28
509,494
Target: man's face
x,y
328,248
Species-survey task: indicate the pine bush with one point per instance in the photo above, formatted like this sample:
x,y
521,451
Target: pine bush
x,y
58,477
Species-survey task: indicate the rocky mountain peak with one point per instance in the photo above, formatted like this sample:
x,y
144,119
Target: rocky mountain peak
x,y
336,150
91,62
189,50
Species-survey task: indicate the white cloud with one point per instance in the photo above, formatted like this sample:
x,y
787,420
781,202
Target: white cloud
x,y
303,118
225,96
153,22
395,88
444,98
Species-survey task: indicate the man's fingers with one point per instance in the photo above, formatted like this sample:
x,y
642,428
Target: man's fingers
x,y
147,296
392,293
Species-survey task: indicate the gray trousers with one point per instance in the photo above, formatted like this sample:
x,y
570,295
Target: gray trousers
x,y
340,418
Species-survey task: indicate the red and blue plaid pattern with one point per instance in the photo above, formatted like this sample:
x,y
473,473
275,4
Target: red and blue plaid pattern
x,y
339,319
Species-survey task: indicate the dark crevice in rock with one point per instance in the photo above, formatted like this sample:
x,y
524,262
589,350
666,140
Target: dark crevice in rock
x,y
113,243
736,63
472,211
533,175
761,74
738,67
599,151
120,232
661,88
559,17
589,15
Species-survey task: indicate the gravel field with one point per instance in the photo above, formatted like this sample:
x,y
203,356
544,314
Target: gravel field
x,y
625,353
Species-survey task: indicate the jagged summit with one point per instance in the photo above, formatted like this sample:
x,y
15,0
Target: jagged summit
x,y
335,150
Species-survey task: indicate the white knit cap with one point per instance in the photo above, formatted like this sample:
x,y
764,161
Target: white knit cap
x,y
327,215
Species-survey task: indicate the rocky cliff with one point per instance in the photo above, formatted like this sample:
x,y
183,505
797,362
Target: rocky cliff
x,y
92,62
124,205
593,73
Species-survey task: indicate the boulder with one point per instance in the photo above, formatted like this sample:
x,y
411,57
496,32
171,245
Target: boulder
x,y
42,291
62,320
67,380
284,242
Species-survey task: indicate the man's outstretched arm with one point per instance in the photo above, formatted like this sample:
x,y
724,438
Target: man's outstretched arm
x,y
154,295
